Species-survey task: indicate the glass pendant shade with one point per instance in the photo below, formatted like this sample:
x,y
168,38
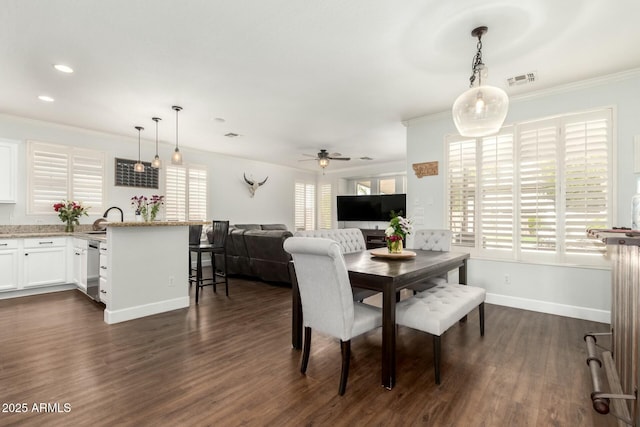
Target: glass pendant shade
x,y
156,163
480,111
138,167
176,157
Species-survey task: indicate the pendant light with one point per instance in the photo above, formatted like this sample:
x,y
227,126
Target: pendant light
x,y
156,163
139,167
176,157
481,110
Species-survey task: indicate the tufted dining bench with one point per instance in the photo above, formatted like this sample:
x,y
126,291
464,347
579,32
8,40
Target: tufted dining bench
x,y
437,309
350,240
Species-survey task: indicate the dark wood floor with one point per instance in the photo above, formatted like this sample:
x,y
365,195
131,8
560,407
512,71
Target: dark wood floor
x,y
229,361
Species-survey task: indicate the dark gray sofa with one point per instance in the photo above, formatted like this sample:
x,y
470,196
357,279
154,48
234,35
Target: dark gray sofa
x,y
255,250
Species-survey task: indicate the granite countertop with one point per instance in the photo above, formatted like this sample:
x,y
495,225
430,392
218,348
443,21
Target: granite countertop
x,y
616,237
84,231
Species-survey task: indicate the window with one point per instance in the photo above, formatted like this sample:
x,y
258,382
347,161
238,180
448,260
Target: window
x,y
325,206
305,206
530,192
61,172
363,188
186,193
388,186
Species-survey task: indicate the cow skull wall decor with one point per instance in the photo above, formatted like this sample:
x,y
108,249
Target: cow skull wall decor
x,y
253,184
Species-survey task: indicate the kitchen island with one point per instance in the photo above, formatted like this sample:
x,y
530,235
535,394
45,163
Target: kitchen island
x,y
144,269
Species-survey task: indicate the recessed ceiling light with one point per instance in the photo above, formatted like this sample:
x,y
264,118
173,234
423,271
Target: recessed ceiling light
x,y
63,68
219,120
46,98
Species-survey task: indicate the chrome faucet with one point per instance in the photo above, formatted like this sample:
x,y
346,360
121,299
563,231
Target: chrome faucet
x,y
114,207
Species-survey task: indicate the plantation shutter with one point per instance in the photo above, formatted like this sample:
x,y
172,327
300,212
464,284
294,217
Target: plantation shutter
x,y
325,206
461,177
538,157
197,194
176,193
59,172
587,179
304,206
87,179
496,192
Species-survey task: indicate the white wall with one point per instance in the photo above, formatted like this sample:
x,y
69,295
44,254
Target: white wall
x,y
570,291
229,197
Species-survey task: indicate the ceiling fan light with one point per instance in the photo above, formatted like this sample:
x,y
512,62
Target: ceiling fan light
x,y
480,111
323,162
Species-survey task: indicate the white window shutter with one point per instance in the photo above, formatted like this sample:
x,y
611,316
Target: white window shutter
x,y
538,157
197,194
461,177
496,192
176,193
325,206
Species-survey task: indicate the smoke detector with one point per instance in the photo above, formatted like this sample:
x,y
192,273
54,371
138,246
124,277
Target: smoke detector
x,y
523,79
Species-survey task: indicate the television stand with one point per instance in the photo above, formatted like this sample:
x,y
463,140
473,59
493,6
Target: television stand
x,y
374,238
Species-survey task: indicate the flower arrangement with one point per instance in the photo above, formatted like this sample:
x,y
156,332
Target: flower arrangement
x,y
69,212
397,231
148,208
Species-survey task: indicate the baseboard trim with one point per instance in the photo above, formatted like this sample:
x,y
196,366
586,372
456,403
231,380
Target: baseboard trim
x,y
37,291
130,313
576,312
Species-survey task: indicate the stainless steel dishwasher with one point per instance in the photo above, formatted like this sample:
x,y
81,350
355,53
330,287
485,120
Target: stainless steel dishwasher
x,y
93,270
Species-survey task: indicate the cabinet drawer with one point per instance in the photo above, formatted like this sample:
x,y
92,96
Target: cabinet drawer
x,y
45,242
8,244
103,266
105,291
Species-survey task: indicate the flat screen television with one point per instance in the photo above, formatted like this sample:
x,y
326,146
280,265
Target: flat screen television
x,y
370,208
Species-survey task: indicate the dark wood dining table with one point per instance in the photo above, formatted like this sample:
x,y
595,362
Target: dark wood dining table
x,y
388,276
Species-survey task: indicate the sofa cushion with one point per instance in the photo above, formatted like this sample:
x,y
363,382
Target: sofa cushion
x,y
248,226
274,227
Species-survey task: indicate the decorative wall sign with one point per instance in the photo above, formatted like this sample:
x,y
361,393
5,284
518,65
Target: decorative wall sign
x,y
425,169
126,177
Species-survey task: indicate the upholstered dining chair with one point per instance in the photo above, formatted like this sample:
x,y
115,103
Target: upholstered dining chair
x,y
431,240
327,300
350,240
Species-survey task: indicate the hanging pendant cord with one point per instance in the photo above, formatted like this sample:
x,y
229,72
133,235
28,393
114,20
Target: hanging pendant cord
x,y
476,63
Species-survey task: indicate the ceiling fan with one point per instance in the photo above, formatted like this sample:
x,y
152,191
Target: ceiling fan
x,y
323,157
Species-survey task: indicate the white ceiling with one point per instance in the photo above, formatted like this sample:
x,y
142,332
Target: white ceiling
x,y
291,76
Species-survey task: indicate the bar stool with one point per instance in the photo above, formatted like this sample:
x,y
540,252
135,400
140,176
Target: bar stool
x,y
217,245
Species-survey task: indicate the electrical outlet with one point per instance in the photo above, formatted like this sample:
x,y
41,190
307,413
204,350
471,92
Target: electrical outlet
x,y
507,279
171,281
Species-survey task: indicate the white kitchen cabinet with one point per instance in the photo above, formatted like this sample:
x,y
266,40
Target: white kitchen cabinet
x,y
105,285
8,171
9,263
79,253
44,261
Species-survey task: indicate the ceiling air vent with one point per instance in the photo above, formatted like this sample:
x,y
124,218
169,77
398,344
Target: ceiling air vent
x,y
231,135
522,79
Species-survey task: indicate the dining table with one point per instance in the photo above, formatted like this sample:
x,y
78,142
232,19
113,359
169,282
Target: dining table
x,y
388,275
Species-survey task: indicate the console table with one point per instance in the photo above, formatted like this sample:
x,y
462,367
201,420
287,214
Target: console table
x,y
374,238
